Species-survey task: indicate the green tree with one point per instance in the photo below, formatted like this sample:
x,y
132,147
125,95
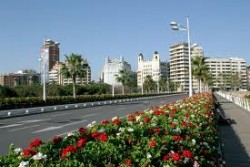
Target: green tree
x,y
74,67
149,83
199,69
123,77
208,80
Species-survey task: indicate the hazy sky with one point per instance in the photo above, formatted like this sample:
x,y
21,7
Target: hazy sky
x,y
100,28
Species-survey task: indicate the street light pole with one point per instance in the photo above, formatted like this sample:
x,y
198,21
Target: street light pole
x,y
189,59
177,27
142,90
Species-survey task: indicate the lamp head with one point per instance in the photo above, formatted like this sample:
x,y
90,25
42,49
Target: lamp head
x,y
174,26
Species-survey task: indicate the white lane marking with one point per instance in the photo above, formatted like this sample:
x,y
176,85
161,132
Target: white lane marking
x,y
88,115
9,126
34,120
58,127
27,127
62,134
61,114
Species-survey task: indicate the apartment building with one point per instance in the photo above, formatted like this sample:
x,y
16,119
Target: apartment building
x,y
222,70
53,52
248,78
18,78
153,67
179,65
111,69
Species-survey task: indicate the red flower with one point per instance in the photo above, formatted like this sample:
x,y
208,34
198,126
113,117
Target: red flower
x,y
94,134
157,130
35,143
105,122
152,143
128,162
66,151
57,139
116,121
176,156
187,154
184,124
131,118
29,152
82,130
103,137
147,119
177,138
82,141
173,125
165,157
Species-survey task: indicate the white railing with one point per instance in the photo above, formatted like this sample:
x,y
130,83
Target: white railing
x,y
243,102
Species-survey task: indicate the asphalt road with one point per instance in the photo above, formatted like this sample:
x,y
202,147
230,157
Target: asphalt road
x,y
21,130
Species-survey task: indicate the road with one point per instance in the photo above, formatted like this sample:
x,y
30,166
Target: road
x,y
21,130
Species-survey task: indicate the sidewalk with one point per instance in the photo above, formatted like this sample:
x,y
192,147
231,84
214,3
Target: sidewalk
x,y
235,137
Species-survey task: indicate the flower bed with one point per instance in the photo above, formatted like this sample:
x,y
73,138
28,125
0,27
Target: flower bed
x,y
182,133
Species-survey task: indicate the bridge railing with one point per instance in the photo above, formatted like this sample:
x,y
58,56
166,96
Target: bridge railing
x,y
243,102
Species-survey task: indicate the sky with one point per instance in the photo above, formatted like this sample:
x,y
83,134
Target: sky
x,y
97,29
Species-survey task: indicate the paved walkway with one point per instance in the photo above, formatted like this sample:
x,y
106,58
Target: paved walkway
x,y
235,137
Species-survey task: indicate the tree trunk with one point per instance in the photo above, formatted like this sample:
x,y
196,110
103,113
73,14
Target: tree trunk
x,y
123,87
74,88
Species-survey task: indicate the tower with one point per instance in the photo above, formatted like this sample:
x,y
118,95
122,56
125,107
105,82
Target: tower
x,y
53,52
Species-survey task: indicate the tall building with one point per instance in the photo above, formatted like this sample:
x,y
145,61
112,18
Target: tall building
x,y
53,52
179,65
222,70
111,70
154,68
248,78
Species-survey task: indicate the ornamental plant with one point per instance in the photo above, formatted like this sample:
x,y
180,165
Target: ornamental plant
x,y
181,133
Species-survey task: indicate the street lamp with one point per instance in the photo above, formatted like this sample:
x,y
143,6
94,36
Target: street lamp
x,y
177,27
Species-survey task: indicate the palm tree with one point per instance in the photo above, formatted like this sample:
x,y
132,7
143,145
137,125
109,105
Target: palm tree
x,y
199,70
149,83
74,67
208,80
123,77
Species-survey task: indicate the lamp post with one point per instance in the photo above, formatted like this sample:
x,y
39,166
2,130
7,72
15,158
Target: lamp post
x,y
44,64
142,80
177,27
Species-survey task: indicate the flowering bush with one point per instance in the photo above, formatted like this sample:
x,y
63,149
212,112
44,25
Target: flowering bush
x,y
181,133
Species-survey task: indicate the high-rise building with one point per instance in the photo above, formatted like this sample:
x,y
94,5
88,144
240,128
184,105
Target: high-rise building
x,y
154,68
228,73
248,78
111,70
179,65
53,52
